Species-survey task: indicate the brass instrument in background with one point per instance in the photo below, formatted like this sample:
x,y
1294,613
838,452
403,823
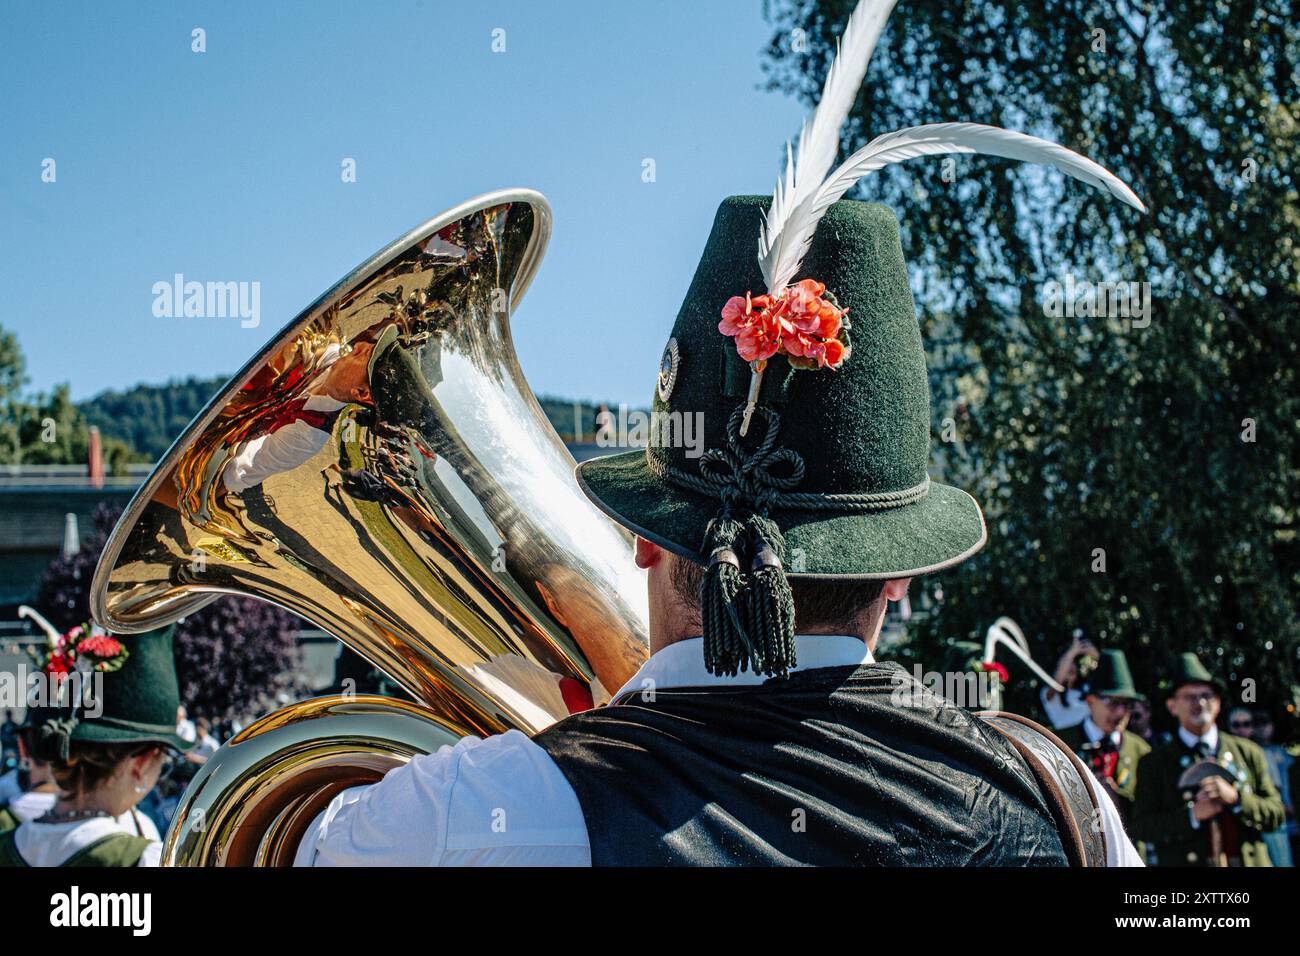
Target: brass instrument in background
x,y
382,469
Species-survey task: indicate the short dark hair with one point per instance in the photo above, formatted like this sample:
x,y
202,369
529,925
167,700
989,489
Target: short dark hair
x,y
823,603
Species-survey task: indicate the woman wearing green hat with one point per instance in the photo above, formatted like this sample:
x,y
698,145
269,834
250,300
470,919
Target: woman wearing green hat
x,y
108,742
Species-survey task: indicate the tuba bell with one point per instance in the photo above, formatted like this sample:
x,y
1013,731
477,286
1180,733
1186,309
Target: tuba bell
x,y
382,469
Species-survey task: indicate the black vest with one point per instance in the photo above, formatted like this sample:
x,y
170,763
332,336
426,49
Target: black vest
x,y
826,768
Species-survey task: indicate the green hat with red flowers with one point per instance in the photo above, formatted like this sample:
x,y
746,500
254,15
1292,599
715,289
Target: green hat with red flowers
x,y
830,478
104,689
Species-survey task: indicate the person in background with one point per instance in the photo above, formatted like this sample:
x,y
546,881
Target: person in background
x,y
1103,741
205,745
1139,722
1242,722
1279,768
1069,709
184,726
105,764
1177,829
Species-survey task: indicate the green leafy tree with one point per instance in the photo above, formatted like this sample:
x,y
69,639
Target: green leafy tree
x,y
148,418
44,429
1140,480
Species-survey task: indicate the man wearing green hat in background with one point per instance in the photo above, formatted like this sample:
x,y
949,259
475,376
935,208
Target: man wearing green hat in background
x,y
1178,823
106,722
1103,741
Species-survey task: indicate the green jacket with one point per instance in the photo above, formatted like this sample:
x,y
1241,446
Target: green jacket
x,y
1161,816
1132,749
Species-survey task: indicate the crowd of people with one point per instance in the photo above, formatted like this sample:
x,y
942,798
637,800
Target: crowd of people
x,y
1191,796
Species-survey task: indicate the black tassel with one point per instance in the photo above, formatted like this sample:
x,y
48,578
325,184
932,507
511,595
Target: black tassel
x,y
726,644
770,601
56,737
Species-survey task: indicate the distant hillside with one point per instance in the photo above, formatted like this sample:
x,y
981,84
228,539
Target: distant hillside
x,y
148,418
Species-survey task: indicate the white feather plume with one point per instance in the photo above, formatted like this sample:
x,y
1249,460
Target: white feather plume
x,y
819,140
934,139
805,191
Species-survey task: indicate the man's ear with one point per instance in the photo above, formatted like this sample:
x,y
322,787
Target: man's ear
x,y
1169,703
648,554
896,589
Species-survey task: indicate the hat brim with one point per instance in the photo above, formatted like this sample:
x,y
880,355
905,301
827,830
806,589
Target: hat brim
x,y
1120,694
942,529
93,732
1219,686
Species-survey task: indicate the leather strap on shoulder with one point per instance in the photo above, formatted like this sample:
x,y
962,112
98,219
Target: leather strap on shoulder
x,y
1062,778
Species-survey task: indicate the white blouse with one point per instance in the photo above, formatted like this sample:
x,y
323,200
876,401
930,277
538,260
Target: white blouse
x,y
49,844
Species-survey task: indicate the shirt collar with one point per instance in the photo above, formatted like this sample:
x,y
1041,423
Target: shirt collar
x,y
1210,737
682,664
1095,734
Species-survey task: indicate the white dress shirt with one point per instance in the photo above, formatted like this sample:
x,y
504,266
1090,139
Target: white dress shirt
x,y
1210,738
502,801
1094,733
284,449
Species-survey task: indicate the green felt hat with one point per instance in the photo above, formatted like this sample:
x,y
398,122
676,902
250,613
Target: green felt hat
x,y
843,474
1112,678
138,702
1190,670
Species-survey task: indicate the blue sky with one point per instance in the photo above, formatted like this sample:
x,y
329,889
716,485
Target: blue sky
x,y
226,166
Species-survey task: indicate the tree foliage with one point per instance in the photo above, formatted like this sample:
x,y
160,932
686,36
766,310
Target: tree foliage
x,y
45,429
1173,449
148,418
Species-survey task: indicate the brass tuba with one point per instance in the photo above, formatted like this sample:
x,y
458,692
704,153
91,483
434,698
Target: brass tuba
x,y
382,469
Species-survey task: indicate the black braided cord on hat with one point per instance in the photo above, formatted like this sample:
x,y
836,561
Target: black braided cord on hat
x,y
746,608
773,493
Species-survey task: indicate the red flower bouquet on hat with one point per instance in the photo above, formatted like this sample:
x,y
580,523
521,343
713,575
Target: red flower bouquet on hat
x,y
81,649
800,323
